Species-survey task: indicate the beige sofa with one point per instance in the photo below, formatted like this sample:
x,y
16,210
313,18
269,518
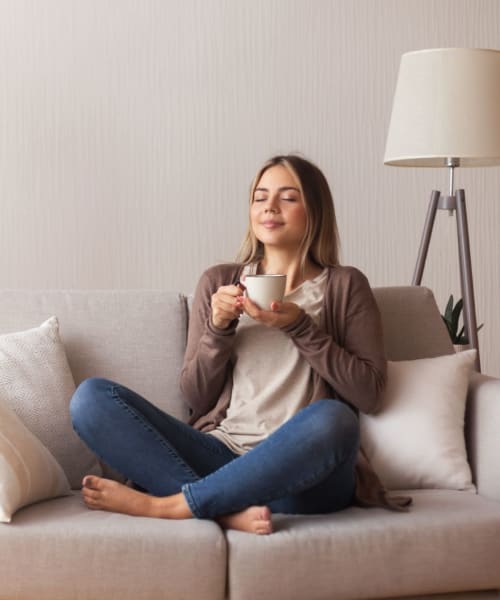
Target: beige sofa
x,y
58,550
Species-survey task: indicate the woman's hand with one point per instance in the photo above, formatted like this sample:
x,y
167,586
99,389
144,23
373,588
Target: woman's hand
x,y
226,305
280,315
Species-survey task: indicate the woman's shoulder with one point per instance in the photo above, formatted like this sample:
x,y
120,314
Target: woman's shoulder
x,y
349,286
341,275
349,290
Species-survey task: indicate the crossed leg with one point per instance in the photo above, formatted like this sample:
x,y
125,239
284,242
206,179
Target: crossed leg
x,y
192,474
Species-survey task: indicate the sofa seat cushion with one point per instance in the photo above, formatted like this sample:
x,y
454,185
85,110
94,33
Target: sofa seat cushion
x,y
448,541
59,549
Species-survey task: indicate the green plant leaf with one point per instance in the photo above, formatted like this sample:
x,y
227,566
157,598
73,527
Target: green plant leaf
x,y
461,338
451,319
448,327
456,315
449,309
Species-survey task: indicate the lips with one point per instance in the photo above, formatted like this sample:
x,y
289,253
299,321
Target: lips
x,y
272,224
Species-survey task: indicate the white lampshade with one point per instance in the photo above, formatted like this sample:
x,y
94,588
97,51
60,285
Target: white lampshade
x,y
446,105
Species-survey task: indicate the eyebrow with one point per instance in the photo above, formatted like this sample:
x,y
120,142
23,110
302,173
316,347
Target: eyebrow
x,y
281,189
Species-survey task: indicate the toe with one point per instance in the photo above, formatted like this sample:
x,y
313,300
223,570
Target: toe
x,y
89,481
89,503
263,528
95,483
89,493
266,513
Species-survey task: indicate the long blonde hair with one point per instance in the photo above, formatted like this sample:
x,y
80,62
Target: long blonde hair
x,y
321,241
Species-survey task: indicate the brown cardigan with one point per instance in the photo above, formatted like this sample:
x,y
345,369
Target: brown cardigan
x,y
346,354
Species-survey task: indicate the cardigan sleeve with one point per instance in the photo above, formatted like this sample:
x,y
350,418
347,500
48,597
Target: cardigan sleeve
x,y
350,355
207,360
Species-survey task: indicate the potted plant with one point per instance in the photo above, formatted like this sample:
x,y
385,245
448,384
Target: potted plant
x,y
451,319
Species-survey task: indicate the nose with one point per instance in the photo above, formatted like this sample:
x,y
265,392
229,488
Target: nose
x,y
272,204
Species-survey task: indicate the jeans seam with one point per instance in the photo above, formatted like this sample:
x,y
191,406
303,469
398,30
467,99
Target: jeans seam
x,y
188,495
136,415
98,456
200,441
191,434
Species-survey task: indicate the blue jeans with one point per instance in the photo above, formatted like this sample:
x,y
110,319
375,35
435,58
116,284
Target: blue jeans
x,y
305,467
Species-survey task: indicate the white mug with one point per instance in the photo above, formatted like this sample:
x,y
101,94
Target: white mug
x,y
263,289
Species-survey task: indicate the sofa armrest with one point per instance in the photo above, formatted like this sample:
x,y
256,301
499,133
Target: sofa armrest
x,y
483,433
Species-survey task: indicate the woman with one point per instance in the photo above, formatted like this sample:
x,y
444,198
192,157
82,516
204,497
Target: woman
x,y
274,394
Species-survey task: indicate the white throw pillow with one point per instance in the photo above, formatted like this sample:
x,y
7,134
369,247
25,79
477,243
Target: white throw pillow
x,y
37,384
28,471
417,438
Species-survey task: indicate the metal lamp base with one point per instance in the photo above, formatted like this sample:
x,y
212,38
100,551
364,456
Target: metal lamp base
x,y
452,203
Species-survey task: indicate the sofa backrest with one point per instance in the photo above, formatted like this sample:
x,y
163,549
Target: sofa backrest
x,y
413,326
137,337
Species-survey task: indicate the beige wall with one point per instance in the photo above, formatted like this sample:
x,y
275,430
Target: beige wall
x,y
130,130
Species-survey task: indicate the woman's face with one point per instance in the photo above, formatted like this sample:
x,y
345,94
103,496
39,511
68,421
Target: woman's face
x,y
278,214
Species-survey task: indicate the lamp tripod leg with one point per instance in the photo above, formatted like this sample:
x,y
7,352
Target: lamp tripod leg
x,y
426,238
469,306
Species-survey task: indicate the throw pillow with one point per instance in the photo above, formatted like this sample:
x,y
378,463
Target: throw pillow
x,y
417,438
28,471
37,384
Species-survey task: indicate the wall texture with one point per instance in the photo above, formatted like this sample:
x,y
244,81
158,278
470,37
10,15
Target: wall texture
x,y
130,131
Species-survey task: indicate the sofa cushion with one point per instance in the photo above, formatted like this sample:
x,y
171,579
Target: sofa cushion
x,y
413,326
36,382
448,541
28,471
416,439
58,550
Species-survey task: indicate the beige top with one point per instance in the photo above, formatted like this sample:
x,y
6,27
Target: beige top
x,y
264,396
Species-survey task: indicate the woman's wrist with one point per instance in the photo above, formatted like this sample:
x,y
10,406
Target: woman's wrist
x,y
228,329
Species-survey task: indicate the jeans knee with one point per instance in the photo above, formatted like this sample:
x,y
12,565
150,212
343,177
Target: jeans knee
x,y
86,399
334,421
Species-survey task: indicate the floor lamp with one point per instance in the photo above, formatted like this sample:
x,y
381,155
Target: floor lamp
x,y
446,113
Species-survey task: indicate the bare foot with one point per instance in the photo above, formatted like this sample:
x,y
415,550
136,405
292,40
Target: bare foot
x,y
256,519
105,494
